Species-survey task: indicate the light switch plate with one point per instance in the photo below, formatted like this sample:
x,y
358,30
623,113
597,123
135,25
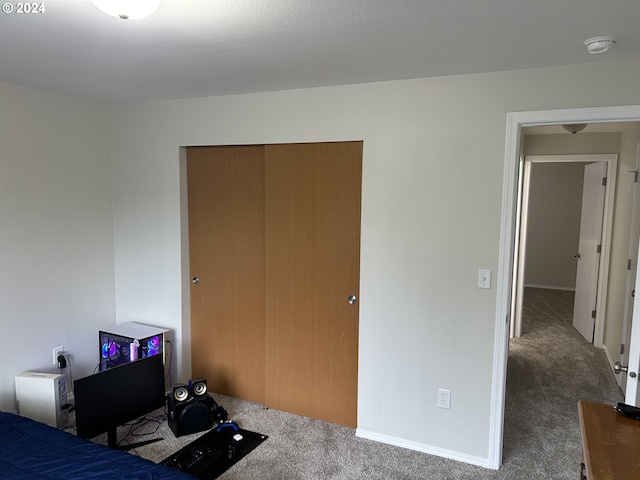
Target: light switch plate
x,y
484,278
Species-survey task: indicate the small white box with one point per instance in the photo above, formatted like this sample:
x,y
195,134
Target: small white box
x,y
42,396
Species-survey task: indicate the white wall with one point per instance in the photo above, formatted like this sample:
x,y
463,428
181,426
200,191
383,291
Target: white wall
x,y
553,235
553,231
432,186
56,246
568,144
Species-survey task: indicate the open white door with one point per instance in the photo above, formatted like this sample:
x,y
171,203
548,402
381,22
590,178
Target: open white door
x,y
631,391
522,212
628,383
588,255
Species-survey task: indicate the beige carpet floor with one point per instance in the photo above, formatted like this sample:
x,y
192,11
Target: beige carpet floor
x,y
550,368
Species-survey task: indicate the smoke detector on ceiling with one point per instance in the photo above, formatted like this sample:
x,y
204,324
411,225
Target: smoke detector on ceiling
x,y
600,44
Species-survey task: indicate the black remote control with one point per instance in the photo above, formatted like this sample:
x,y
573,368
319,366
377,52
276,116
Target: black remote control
x,y
628,410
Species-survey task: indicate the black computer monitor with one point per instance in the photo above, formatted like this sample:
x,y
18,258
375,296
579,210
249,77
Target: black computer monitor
x,y
108,399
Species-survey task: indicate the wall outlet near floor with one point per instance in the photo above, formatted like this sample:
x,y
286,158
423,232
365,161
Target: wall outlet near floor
x,y
57,351
444,398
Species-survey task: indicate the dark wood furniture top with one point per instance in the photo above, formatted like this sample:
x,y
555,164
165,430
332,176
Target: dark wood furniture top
x,y
610,442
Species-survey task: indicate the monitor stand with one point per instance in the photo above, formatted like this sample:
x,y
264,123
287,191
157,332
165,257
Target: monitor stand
x,y
112,441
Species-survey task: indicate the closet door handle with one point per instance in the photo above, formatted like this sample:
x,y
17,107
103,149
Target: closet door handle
x,y
352,299
195,280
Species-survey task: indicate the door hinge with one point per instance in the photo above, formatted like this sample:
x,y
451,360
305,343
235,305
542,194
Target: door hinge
x,y
593,314
622,349
628,264
635,176
604,181
599,249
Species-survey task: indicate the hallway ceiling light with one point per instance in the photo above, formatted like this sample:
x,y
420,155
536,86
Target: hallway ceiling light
x,y
574,127
600,44
127,9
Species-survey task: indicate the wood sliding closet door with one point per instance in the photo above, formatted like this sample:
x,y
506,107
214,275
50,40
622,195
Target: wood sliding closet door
x,y
226,253
312,267
275,242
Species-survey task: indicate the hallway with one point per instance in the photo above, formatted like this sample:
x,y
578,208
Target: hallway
x,y
550,368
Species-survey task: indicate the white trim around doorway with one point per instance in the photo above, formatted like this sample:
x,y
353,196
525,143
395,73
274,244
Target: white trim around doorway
x,y
515,122
611,161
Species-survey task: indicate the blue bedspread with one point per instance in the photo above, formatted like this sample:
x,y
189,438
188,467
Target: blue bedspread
x,y
30,450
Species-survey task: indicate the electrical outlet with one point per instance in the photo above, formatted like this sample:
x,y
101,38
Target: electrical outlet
x,y
57,351
444,398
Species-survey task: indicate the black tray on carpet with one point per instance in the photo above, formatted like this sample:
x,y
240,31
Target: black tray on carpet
x,y
215,452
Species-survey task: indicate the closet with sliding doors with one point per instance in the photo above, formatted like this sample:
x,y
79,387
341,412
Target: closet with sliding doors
x,y
274,247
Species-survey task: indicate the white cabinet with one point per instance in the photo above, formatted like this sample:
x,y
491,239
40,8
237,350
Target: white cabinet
x,y
43,397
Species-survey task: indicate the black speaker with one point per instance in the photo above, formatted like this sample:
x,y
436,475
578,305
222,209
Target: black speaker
x,y
198,387
180,393
191,409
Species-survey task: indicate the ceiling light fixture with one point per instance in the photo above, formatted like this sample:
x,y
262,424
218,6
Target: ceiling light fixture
x,y
128,9
574,127
600,44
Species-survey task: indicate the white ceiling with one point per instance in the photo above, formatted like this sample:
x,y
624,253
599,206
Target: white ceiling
x,y
194,48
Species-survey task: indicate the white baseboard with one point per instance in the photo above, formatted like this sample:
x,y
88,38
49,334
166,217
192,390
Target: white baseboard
x,y
609,359
549,287
611,362
421,447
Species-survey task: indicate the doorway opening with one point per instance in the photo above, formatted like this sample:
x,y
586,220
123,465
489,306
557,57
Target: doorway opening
x,y
551,265
505,281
